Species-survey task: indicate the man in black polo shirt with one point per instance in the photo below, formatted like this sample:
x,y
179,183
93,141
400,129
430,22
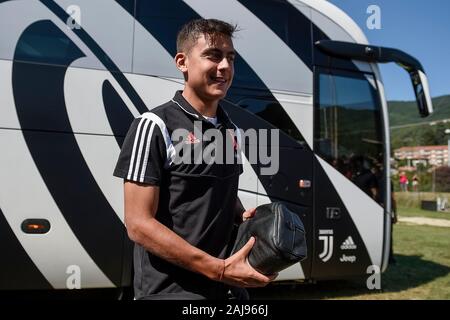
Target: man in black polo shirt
x,y
180,207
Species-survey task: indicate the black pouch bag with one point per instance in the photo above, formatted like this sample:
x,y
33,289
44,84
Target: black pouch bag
x,y
280,238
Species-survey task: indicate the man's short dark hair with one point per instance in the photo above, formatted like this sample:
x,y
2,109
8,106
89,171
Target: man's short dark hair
x,y
194,29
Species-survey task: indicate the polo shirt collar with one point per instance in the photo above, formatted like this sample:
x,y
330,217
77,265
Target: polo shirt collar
x,y
222,116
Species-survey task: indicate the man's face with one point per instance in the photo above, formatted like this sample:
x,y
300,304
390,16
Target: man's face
x,y
210,67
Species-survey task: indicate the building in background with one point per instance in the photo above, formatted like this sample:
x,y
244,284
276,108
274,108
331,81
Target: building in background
x,y
428,155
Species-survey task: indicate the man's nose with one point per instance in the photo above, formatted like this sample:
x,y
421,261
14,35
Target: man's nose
x,y
224,64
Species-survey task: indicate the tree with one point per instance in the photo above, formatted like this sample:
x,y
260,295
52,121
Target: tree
x,y
443,179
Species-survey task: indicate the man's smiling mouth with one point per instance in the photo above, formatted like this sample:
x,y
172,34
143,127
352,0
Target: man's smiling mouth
x,y
218,79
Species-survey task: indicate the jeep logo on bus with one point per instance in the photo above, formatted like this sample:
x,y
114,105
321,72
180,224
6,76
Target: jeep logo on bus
x,y
345,258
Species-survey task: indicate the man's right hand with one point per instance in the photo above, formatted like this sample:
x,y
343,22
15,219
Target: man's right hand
x,y
238,272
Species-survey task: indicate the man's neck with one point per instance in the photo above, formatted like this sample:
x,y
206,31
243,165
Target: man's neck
x,y
204,107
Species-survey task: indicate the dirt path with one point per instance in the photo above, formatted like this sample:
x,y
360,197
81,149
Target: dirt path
x,y
425,221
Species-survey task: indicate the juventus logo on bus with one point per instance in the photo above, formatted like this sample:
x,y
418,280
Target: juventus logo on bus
x,y
327,237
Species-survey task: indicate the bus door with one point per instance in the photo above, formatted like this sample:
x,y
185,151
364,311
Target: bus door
x,y
349,174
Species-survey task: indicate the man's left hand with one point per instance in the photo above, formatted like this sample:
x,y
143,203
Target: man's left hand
x,y
250,213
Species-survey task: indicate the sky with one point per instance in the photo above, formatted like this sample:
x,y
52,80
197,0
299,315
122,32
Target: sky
x,y
418,27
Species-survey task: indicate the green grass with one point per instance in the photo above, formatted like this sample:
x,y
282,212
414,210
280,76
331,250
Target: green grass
x,y
416,212
422,271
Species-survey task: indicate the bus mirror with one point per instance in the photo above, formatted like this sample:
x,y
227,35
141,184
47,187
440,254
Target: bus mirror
x,y
422,92
362,52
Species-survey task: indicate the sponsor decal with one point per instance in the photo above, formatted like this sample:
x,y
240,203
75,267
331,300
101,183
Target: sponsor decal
x,y
333,213
345,258
326,236
348,244
191,139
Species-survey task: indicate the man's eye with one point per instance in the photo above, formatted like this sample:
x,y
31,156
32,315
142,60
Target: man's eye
x,y
215,57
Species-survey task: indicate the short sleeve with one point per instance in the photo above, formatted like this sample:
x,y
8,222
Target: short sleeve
x,y
143,153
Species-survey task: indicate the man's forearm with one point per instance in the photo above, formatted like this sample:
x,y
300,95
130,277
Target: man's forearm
x,y
163,242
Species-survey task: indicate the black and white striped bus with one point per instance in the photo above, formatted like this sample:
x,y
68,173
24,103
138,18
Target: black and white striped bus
x,y
75,73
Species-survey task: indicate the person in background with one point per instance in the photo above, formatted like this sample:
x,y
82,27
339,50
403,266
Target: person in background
x,y
403,182
415,183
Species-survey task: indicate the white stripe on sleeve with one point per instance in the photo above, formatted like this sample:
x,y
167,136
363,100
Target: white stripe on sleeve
x,y
170,149
139,150
147,150
136,138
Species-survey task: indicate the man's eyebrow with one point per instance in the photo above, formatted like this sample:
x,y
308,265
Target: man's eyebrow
x,y
217,50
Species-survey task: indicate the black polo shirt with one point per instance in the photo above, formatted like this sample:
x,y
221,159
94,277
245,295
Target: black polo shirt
x,y
197,198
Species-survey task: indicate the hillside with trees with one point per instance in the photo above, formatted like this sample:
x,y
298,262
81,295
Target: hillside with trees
x,y
409,129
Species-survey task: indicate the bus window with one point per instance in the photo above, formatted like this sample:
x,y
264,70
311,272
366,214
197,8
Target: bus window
x,y
348,128
272,112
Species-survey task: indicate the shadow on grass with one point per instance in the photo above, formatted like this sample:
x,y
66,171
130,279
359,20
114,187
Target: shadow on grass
x,y
411,272
408,272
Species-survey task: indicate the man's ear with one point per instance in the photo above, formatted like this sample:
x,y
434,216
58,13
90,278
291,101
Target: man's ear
x,y
180,61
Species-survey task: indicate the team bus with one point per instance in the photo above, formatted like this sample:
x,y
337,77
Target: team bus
x,y
75,73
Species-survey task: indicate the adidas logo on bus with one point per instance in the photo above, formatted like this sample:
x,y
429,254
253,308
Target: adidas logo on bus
x,y
348,244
